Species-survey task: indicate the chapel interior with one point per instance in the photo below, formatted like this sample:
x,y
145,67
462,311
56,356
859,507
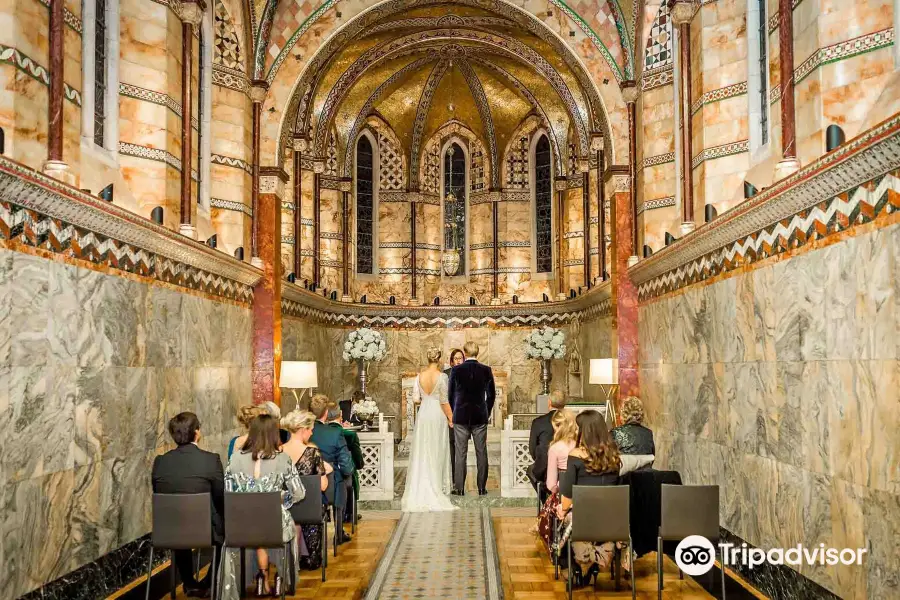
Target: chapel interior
x,y
702,196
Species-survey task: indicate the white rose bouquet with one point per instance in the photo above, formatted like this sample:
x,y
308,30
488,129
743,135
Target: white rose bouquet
x,y
546,343
365,344
366,410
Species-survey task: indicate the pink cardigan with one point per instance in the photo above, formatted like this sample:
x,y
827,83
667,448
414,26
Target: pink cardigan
x,y
557,457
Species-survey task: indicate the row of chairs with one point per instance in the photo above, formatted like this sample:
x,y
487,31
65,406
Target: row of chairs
x,y
685,510
184,522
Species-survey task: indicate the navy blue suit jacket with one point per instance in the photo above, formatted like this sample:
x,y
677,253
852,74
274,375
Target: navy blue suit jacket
x,y
471,393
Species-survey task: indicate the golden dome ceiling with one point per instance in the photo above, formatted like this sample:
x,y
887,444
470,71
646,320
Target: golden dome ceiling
x,y
423,68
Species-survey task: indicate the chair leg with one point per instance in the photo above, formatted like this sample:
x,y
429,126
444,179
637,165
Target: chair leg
x,y
617,566
220,572
212,574
659,568
284,573
172,580
569,583
149,571
242,580
631,571
197,565
722,570
324,547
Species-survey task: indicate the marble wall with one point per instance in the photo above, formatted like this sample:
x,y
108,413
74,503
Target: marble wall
x,y
92,366
780,385
501,348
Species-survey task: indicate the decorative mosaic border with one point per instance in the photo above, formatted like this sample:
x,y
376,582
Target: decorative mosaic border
x,y
569,235
659,159
847,187
573,262
71,20
657,78
232,79
844,50
307,222
775,21
44,213
229,161
656,203
287,239
230,205
331,235
408,271
592,35
156,154
287,206
16,58
730,91
139,93
720,151
408,246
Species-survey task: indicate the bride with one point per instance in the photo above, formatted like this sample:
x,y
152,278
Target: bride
x,y
428,476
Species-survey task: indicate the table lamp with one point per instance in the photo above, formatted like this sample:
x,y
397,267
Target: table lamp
x,y
605,372
299,374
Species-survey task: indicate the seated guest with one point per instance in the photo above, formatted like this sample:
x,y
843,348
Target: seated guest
x,y
308,461
274,411
632,437
245,415
540,438
594,461
259,466
348,408
333,445
190,470
334,420
565,432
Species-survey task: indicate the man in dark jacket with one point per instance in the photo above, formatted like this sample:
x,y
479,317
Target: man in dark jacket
x,y
190,470
541,437
334,451
334,420
471,395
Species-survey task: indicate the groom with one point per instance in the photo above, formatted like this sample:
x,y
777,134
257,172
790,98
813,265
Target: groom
x,y
471,395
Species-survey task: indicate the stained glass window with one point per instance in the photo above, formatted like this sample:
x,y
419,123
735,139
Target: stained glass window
x,y
365,208
100,72
543,206
200,100
763,26
455,204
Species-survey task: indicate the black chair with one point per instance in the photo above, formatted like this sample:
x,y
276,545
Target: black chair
x,y
352,500
253,520
589,503
688,510
311,511
540,494
329,499
180,522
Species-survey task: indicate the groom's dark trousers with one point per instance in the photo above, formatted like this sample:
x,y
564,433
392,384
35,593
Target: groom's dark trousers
x,y
478,433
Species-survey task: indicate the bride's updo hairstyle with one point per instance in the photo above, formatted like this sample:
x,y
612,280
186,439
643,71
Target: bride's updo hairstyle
x,y
433,355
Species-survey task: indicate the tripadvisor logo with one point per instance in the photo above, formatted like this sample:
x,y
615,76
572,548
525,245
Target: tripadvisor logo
x,y
695,555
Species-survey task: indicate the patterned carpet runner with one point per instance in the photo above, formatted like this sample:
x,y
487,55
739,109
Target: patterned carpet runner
x,y
440,555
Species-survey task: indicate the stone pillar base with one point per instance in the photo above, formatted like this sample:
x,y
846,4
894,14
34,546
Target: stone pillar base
x,y
562,297
633,260
687,227
346,298
57,169
496,301
786,167
415,302
188,230
257,262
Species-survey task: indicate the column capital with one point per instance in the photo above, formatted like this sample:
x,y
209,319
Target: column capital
x,y
318,166
258,90
272,180
630,91
561,184
345,184
683,12
300,144
597,142
191,11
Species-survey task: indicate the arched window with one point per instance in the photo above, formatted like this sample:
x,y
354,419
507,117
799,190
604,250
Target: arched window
x,y
455,204
758,72
543,206
201,106
100,69
204,107
365,206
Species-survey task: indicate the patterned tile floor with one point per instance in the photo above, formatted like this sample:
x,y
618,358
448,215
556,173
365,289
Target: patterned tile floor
x,y
444,555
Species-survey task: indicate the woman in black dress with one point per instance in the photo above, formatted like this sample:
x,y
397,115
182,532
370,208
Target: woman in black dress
x,y
307,460
594,461
631,436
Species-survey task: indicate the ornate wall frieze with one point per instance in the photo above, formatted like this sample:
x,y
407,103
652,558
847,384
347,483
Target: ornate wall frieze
x,y
730,91
573,262
331,235
287,239
656,78
44,213
720,151
232,79
847,187
23,63
571,235
71,20
660,159
656,203
287,206
230,205
230,161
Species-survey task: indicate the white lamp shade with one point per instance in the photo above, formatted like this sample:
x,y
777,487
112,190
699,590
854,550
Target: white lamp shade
x,y
297,374
604,371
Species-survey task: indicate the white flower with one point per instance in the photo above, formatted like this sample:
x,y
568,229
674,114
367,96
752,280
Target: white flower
x,y
348,346
346,356
546,353
556,343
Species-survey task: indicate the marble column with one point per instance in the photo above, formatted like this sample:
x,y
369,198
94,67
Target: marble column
x,y
597,146
413,259
191,14
257,96
631,93
267,293
345,239
789,162
495,241
299,147
682,14
586,211
561,185
54,166
624,290
318,169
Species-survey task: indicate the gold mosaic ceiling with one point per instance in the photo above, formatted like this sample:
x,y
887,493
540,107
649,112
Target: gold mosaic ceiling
x,y
449,62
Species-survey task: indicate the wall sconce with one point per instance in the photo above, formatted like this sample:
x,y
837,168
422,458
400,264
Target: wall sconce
x,y
299,374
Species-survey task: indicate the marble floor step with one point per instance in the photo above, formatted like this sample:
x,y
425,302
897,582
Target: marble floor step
x,y
470,500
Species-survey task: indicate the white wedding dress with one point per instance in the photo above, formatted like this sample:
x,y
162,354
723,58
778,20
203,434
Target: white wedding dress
x,y
428,475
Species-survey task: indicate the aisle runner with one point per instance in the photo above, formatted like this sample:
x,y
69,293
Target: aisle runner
x,y
440,555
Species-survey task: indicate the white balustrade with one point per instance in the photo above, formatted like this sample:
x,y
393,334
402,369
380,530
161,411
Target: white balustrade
x,y
514,462
376,478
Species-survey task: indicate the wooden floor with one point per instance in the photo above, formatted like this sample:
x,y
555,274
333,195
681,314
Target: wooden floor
x,y
527,572
348,575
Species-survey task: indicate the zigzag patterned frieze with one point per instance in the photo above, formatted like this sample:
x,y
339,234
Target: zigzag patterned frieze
x,y
870,194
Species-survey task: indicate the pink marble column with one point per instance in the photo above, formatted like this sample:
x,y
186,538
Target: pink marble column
x,y
267,293
187,59
257,96
682,14
57,61
789,163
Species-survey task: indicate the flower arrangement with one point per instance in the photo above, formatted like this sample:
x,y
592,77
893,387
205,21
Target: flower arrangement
x,y
546,343
366,410
364,344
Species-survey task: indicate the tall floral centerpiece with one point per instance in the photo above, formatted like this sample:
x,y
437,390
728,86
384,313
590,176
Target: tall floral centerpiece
x,y
362,347
544,345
